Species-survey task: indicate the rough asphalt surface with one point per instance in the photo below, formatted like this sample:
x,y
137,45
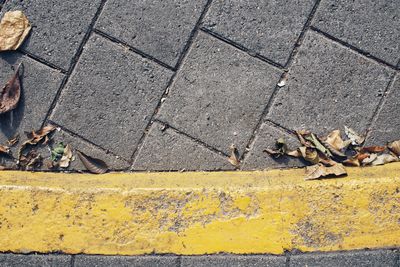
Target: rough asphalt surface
x,y
170,85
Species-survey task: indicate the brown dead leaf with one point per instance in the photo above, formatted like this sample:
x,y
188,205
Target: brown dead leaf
x,y
10,93
93,165
280,148
352,162
66,158
309,154
30,161
13,141
355,138
294,153
37,136
327,161
14,27
234,159
362,156
369,159
395,147
318,170
373,149
334,139
384,158
4,149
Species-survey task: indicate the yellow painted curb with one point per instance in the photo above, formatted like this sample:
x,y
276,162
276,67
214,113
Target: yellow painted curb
x,y
198,213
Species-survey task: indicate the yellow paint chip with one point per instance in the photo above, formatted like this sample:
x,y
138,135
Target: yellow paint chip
x,y
198,213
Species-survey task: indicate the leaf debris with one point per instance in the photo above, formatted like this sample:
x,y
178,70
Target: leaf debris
x,y
14,27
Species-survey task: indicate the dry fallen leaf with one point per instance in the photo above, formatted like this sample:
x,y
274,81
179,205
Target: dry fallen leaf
x,y
355,138
14,27
93,165
335,140
234,159
280,148
10,93
13,141
66,157
352,162
318,170
369,159
4,149
309,154
395,147
384,158
37,136
373,149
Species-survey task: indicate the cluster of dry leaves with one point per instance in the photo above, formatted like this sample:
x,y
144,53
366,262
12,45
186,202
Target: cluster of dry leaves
x,y
14,27
29,158
329,155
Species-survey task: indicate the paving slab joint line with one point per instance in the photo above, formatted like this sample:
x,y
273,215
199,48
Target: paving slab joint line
x,y
42,61
133,49
87,141
354,49
74,61
276,89
179,63
381,103
242,48
197,141
200,213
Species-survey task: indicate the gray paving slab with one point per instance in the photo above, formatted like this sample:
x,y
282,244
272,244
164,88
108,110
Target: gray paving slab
x,y
266,137
219,94
164,149
381,258
20,260
158,28
58,27
111,96
113,162
121,261
233,261
269,28
387,125
329,86
372,26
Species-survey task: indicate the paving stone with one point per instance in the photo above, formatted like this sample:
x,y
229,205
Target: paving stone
x,y
269,28
121,261
381,258
39,87
58,27
233,261
387,125
113,92
158,28
18,260
219,94
329,86
113,162
373,26
168,150
257,159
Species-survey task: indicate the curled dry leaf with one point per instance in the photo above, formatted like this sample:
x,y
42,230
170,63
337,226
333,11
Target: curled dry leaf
x,y
10,93
355,138
35,137
14,27
373,149
4,149
318,170
369,159
309,154
93,165
280,148
384,158
335,140
66,157
13,141
234,159
354,162
395,147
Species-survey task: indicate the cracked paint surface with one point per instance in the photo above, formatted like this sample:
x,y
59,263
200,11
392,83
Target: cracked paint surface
x,y
198,213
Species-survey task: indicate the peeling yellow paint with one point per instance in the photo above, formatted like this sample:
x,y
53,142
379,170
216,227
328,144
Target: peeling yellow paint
x,y
198,213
